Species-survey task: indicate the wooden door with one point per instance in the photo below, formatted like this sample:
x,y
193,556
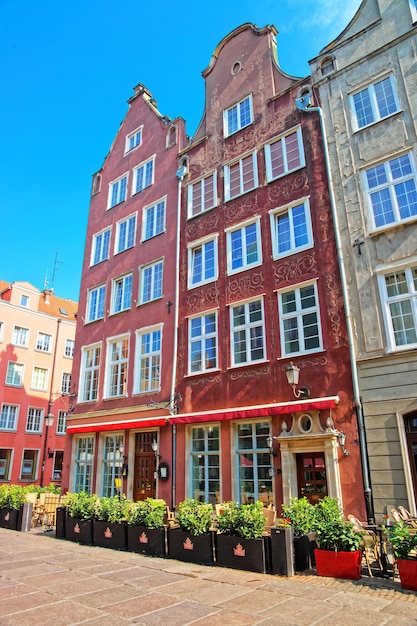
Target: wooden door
x,y
145,466
311,474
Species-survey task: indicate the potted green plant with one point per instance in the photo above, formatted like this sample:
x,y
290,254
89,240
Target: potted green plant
x,y
192,540
12,501
241,543
109,523
404,548
80,513
338,554
146,530
301,514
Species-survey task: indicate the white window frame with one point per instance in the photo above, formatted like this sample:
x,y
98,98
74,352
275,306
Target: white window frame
x,y
153,219
44,343
252,471
377,116
40,377
90,373
192,250
199,197
239,122
121,299
298,314
140,176
125,241
290,210
391,185
134,139
205,462
100,248
20,336
147,273
120,189
240,164
94,314
1,331
118,366
207,340
283,139
9,416
407,298
148,358
24,301
15,374
61,424
66,384
246,264
84,449
34,420
246,328
69,348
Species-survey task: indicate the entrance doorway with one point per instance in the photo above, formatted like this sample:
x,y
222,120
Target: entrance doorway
x,y
145,466
411,430
311,475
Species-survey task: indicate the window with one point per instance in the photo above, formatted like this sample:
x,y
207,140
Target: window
x,y
117,363
202,262
5,463
24,301
238,116
66,384
291,229
253,461
84,457
148,361
58,463
100,247
95,303
143,176
133,140
61,427
392,191
29,465
40,379
202,195
327,66
151,282
399,300
1,330
285,154
34,420
14,374
90,370
125,234
69,348
117,191
248,333
413,9
375,102
112,464
205,464
122,293
153,220
202,331
243,247
20,336
8,419
299,320
240,177
44,342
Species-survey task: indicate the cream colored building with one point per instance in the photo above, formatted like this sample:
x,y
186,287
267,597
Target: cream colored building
x,y
365,86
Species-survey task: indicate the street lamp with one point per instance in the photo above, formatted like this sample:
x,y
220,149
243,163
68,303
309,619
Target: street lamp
x,y
49,420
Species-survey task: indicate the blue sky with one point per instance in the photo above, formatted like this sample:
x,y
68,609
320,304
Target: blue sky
x,y
67,71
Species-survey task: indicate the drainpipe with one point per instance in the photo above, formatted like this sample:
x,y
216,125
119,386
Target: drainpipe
x,y
303,104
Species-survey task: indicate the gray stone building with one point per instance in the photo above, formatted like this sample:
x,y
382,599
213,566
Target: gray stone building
x,y
365,91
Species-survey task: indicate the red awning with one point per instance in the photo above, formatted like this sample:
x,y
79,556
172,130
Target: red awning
x,y
151,422
245,412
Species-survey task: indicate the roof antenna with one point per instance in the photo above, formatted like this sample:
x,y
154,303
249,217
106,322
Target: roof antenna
x,y
55,270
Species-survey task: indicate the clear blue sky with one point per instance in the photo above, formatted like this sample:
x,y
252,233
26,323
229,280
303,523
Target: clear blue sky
x,y
67,70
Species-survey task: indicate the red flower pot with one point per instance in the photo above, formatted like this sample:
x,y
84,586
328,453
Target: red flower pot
x,y
339,564
408,574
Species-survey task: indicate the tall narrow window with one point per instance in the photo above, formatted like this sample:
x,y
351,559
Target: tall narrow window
x,y
117,191
154,220
100,247
95,303
284,154
202,195
205,464
291,229
299,320
61,427
202,262
399,299
14,374
112,464
90,373
29,470
69,348
125,234
5,463
66,384
248,333
253,461
202,343
143,176
34,420
117,364
84,457
243,247
122,293
240,176
151,282
148,361
40,378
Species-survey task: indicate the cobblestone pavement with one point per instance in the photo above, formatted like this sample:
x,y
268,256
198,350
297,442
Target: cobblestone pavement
x,y
49,581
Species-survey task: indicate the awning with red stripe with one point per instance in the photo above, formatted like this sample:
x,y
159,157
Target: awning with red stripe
x,y
151,422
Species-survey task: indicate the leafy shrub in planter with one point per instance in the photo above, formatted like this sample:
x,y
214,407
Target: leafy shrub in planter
x,y
242,520
149,513
332,530
402,541
114,509
80,505
301,515
195,517
12,496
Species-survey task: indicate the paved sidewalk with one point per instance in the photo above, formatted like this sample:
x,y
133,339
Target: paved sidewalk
x,y
48,581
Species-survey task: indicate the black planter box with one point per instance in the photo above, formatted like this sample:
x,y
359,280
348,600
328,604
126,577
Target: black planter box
x,y
109,535
61,514
184,546
150,541
79,530
9,518
239,553
282,551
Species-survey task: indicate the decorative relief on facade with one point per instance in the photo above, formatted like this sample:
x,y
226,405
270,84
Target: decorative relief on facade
x,y
286,189
295,269
245,286
272,308
181,351
319,361
207,297
333,310
237,210
198,228
252,373
204,380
